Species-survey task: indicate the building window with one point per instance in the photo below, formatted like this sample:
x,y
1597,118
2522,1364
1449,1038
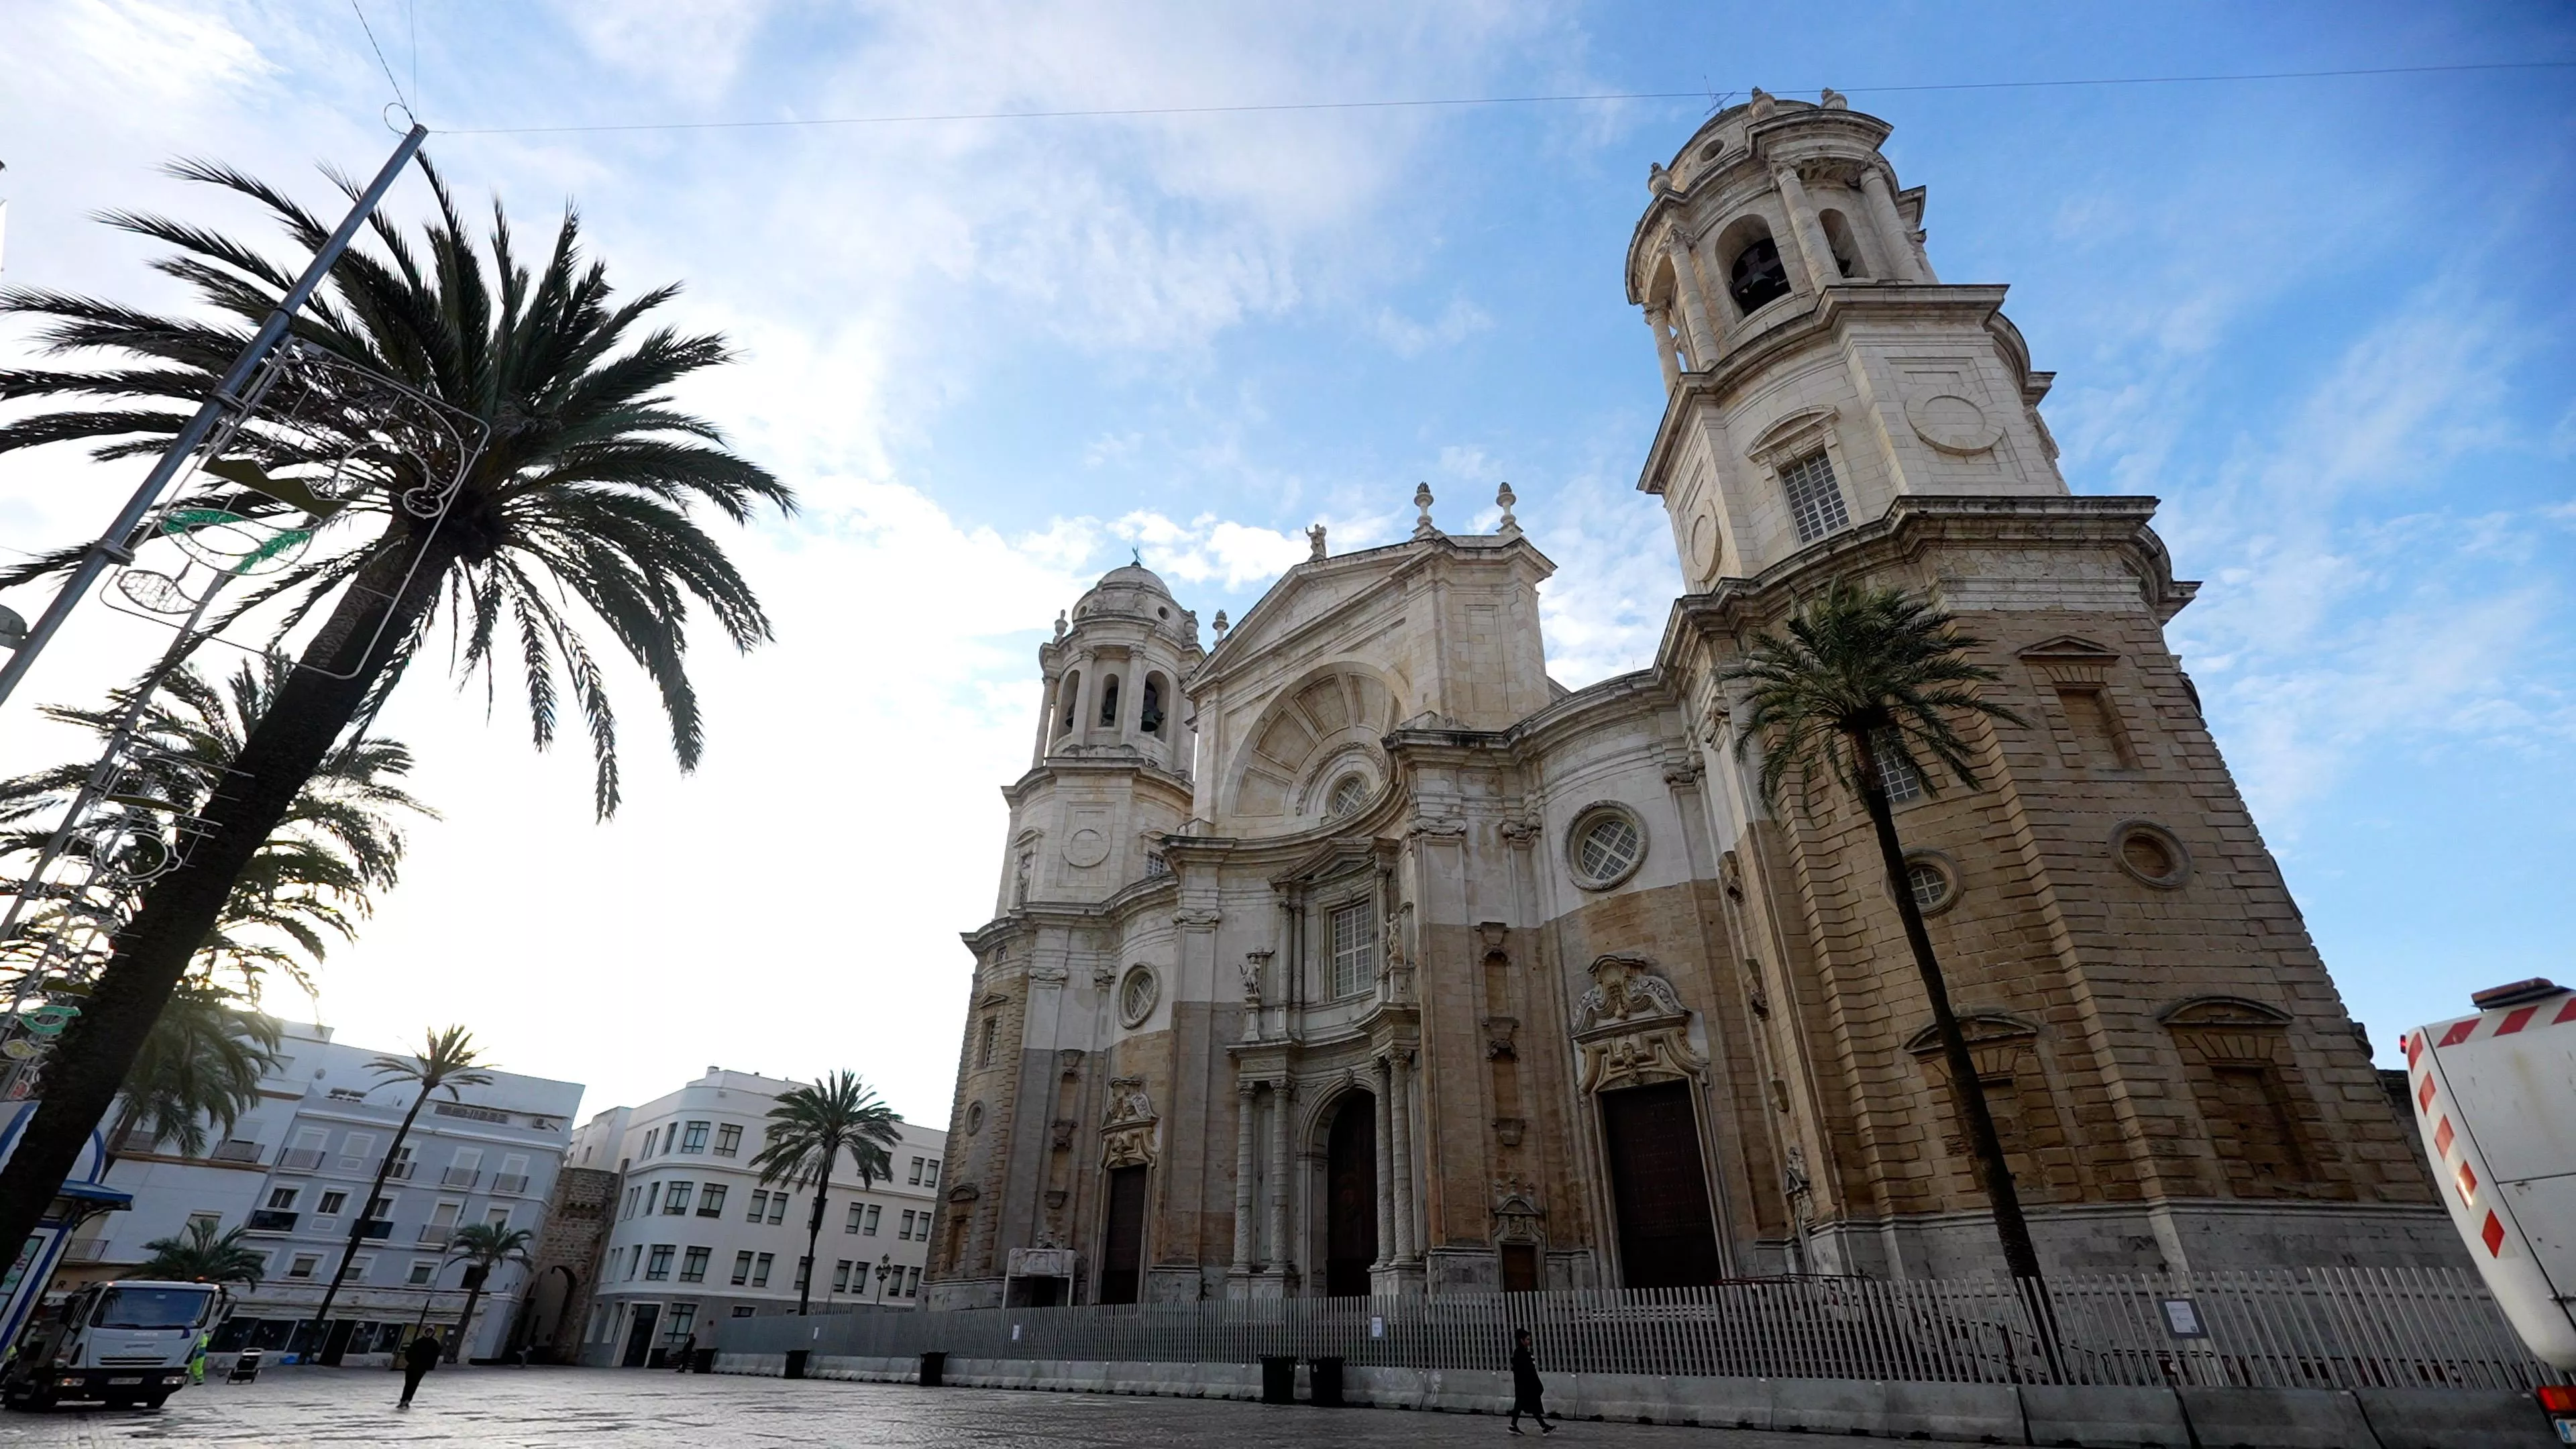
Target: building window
x,y
916,1172
634,1195
858,1210
331,1203
303,1265
1349,793
1137,994
777,1207
1758,276
496,1216
760,1269
804,1274
648,1141
759,1206
281,1199
930,1173
875,1211
658,1267
1156,866
675,1200
652,1198
1815,499
841,1276
1109,700
912,1288
1896,773
1150,719
984,1041
693,1267
1928,880
741,1268
728,1140
1354,942
903,1233
742,1310
684,1320
711,1200
422,1270
1606,846
694,1138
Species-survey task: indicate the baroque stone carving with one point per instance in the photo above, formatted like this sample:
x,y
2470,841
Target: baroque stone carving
x,y
1498,1038
1508,1130
1631,1027
1516,1211
1127,1133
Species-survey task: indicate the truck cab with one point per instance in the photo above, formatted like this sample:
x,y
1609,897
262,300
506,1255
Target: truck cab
x,y
125,1343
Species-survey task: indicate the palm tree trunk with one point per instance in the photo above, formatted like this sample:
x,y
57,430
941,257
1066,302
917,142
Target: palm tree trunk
x,y
465,1324
90,1060
813,1235
1967,1096
358,1226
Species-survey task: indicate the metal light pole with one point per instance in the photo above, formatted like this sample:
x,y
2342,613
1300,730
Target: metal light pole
x,y
110,546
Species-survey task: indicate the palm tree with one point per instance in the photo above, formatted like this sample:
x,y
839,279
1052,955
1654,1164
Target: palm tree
x,y
482,1247
201,1256
447,1060
314,876
809,1131
1864,685
583,508
199,1069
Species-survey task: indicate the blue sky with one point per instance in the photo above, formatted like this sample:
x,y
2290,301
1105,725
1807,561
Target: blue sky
x,y
2322,319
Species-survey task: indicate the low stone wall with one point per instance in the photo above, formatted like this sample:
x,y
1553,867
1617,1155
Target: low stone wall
x,y
2054,1415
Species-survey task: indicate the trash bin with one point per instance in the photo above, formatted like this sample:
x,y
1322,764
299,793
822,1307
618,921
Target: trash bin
x,y
796,1362
702,1361
1324,1382
1278,1380
245,1368
934,1370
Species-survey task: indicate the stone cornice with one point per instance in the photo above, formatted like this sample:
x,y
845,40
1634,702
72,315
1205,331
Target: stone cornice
x,y
1914,526
1145,771
1126,901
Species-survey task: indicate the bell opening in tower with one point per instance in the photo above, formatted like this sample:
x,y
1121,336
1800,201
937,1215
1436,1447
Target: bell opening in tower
x,y
1758,276
1657,1184
1350,1198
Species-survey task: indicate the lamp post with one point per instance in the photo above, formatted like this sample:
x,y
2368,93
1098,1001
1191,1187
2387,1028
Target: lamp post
x,y
885,1265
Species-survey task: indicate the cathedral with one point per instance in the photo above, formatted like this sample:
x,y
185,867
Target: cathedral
x,y
1343,951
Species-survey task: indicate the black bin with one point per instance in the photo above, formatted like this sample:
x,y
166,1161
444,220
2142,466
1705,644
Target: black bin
x,y
1278,1380
796,1362
702,1361
1324,1382
934,1370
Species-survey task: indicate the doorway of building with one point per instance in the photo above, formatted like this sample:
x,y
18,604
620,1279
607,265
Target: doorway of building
x,y
1520,1267
639,1335
1659,1188
1122,1257
1350,1197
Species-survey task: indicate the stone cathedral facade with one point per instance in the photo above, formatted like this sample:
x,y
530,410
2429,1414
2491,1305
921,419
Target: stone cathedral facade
x,y
1348,952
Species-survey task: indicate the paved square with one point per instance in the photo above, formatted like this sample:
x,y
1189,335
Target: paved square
x,y
501,1408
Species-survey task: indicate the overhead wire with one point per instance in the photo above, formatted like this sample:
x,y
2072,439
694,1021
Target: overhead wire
x,y
1258,107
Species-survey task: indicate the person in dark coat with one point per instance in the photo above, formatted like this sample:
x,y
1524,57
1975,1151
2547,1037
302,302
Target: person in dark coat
x,y
1527,1391
420,1356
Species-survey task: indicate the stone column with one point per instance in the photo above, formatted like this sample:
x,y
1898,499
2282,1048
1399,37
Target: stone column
x,y
1385,1165
1279,1259
1660,319
1400,1109
1904,257
1243,1120
1812,249
1694,302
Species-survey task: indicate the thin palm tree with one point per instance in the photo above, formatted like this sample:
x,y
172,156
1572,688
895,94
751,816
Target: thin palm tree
x,y
314,877
200,1255
583,510
446,1061
810,1130
1863,687
198,1072
482,1248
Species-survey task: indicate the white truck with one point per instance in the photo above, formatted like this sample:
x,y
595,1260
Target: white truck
x,y
125,1343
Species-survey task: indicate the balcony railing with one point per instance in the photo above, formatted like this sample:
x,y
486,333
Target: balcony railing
x,y
460,1177
299,1159
271,1220
401,1172
237,1151
377,1229
509,1184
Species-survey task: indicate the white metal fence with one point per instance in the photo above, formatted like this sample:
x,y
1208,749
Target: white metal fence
x,y
2300,1328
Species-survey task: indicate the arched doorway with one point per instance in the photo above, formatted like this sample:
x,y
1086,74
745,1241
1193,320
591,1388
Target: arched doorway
x,y
1350,1197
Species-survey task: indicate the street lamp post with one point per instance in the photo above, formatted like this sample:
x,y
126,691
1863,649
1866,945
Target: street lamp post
x,y
885,1265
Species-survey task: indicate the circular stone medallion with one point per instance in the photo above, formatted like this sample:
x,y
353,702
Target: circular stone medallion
x,y
1086,847
1952,423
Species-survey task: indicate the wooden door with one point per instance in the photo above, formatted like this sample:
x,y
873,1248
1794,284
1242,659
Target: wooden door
x,y
1350,1198
1520,1267
1122,1256
1660,1187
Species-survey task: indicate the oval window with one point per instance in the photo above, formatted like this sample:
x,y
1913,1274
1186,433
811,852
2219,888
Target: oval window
x,y
1349,793
1137,995
1607,845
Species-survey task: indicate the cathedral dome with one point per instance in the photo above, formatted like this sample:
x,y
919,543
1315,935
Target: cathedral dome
x,y
1132,591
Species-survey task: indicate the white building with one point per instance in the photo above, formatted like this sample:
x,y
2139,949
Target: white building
x,y
697,1236
294,1168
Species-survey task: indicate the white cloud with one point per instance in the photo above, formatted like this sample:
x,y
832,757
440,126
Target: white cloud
x,y
1460,320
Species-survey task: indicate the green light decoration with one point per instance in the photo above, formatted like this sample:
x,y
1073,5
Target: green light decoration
x,y
231,542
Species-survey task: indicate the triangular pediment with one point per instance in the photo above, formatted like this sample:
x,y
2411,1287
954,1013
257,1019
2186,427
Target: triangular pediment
x,y
1314,590
2067,646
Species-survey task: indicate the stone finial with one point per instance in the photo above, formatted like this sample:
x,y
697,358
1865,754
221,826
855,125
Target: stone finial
x,y
1835,100
1059,623
1315,543
1422,526
1221,626
1762,104
1504,496
1658,180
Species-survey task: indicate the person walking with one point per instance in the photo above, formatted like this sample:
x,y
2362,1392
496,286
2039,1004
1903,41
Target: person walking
x,y
418,1357
1527,1391
689,1354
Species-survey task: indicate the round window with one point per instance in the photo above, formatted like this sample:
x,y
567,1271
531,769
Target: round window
x,y
1349,793
2151,854
974,1118
1606,845
1137,995
1929,879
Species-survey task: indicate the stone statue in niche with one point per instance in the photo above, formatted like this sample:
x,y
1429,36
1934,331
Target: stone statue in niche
x,y
1252,963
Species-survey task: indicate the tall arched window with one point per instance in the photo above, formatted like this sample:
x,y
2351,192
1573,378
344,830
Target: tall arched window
x,y
1109,700
1757,276
1150,718
1072,689
1845,246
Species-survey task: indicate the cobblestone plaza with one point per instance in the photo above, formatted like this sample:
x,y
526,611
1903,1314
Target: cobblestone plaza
x,y
595,1409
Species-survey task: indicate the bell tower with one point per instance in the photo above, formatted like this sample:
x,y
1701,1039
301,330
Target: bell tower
x,y
1816,369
